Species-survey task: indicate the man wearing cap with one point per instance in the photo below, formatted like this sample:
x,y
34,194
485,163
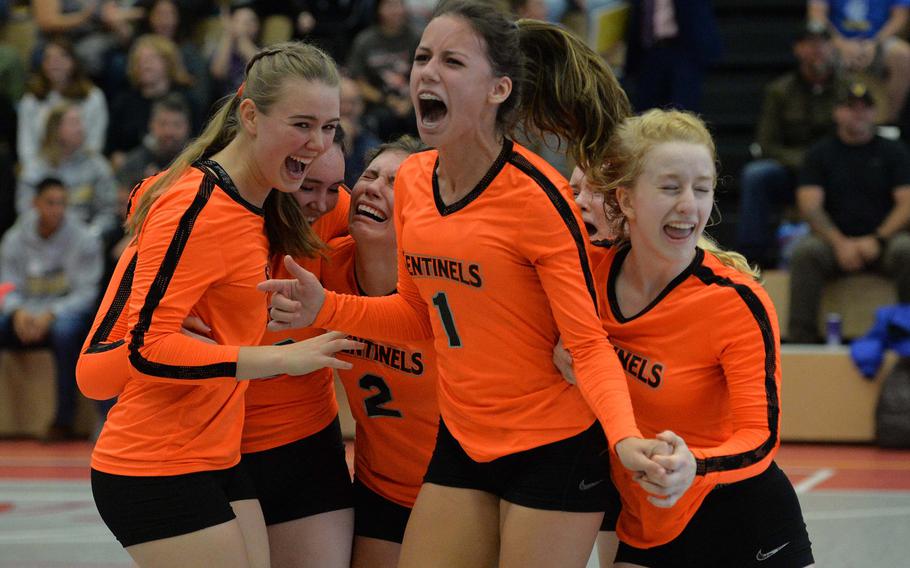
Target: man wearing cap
x,y
866,35
796,112
854,191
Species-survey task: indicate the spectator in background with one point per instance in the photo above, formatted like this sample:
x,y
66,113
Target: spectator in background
x,y
168,132
854,192
155,69
866,37
54,261
59,78
380,62
670,45
239,42
797,111
532,9
86,174
358,132
169,19
94,26
331,24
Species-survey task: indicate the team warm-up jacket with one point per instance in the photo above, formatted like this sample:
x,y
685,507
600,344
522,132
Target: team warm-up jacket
x,y
703,360
496,278
287,408
392,394
202,249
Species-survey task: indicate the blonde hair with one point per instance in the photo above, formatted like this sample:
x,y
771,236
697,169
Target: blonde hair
x,y
167,50
625,158
265,74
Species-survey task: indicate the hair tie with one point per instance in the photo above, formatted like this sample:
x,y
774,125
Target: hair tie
x,y
240,90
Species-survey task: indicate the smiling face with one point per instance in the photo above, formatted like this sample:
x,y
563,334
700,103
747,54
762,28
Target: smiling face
x,y
151,67
591,204
319,193
71,132
297,129
57,65
453,87
670,202
373,198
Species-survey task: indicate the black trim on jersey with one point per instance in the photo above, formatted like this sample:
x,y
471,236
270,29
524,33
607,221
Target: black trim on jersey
x,y
603,243
754,303
224,181
565,211
159,288
621,255
122,296
498,164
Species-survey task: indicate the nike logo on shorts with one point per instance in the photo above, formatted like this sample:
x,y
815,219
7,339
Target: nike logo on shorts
x,y
582,486
766,555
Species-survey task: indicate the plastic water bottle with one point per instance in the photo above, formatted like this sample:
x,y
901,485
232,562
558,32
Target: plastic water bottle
x,y
833,329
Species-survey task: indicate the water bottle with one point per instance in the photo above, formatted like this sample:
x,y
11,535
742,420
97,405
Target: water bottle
x,y
833,329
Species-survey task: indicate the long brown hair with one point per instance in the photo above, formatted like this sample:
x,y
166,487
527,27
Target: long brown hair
x,y
265,74
79,85
560,86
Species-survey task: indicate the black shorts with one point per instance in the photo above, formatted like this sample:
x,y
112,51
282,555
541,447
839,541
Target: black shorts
x,y
377,517
303,478
569,475
755,522
142,509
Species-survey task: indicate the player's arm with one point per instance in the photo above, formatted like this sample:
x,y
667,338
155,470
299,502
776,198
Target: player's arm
x,y
747,343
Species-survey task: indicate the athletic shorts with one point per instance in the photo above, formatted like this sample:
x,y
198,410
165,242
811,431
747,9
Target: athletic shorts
x,y
377,517
303,478
570,475
143,509
755,522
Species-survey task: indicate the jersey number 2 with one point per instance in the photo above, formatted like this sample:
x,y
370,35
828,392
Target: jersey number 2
x,y
448,322
375,404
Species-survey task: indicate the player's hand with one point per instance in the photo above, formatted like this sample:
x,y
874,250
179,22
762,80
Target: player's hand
x,y
679,471
635,455
295,301
318,352
563,361
194,327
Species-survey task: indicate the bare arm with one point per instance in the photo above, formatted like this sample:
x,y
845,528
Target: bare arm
x,y
810,199
895,24
50,18
899,216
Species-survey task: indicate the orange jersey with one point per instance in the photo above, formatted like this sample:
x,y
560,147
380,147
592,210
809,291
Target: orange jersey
x,y
496,278
202,248
702,360
392,394
102,369
286,409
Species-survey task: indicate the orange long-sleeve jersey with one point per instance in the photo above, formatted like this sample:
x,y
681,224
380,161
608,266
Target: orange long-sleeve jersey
x,y
202,248
496,277
392,393
286,409
102,369
702,360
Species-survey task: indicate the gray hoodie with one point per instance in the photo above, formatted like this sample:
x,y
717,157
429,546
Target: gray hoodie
x,y
59,274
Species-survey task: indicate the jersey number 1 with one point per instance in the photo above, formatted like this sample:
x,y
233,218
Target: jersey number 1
x,y
375,405
448,322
